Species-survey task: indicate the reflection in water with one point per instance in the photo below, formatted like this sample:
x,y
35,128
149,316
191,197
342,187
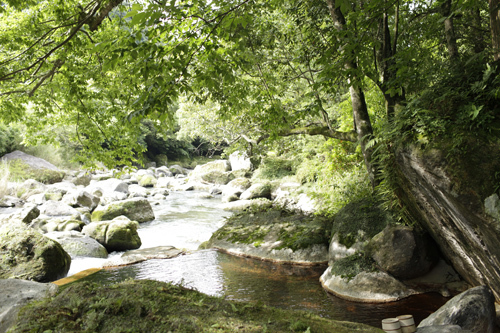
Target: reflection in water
x,y
284,286
184,220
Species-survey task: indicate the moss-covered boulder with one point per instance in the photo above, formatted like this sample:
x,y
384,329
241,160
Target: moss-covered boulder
x,y
136,209
402,252
148,181
275,235
217,177
359,281
28,255
16,294
119,234
259,190
78,245
152,306
355,225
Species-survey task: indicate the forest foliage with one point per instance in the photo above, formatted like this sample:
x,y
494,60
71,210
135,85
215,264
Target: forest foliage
x,y
130,78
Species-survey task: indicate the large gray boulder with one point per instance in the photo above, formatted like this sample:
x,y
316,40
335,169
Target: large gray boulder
x,y
119,234
78,244
58,208
28,255
357,279
16,294
32,161
259,190
46,224
136,209
109,185
472,310
81,198
402,252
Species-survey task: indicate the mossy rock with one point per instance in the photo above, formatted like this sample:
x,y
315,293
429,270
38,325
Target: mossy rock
x,y
119,234
147,181
28,255
20,171
217,177
136,209
153,306
283,229
360,221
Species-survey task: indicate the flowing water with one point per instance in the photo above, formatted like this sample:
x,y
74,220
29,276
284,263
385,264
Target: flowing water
x,y
185,220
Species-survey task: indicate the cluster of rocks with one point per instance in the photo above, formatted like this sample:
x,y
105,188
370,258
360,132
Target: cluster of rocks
x,y
381,261
85,215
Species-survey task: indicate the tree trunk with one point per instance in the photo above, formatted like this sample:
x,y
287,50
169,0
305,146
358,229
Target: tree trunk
x,y
449,30
477,33
362,121
495,27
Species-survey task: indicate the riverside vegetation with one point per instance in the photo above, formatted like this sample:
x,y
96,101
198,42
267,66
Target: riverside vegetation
x,y
334,102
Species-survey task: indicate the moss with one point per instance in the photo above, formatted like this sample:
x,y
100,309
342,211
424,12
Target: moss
x,y
364,216
295,231
151,306
352,265
20,171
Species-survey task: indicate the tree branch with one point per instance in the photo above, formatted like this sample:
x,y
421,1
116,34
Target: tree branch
x,y
321,130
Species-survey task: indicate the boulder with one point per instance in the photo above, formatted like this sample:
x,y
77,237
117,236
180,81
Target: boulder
x,y
32,161
136,209
217,177
44,224
178,170
78,244
355,224
472,310
28,255
81,198
163,182
148,181
137,191
119,234
275,235
402,252
82,179
260,190
240,183
57,208
365,286
447,200
16,294
108,186
163,171
28,213
219,165
240,161
241,205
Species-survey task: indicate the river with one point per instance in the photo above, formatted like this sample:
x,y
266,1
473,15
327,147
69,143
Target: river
x,y
185,220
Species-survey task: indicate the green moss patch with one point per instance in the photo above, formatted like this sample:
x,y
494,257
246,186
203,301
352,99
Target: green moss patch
x,y
152,306
352,265
362,218
295,231
20,171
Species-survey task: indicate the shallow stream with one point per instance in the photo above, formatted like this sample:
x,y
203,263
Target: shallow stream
x,y
185,220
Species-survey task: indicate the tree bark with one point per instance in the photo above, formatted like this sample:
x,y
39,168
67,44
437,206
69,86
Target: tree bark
x,y
362,121
494,6
449,30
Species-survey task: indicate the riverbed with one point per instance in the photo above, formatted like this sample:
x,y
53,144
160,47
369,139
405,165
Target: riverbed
x,y
186,219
